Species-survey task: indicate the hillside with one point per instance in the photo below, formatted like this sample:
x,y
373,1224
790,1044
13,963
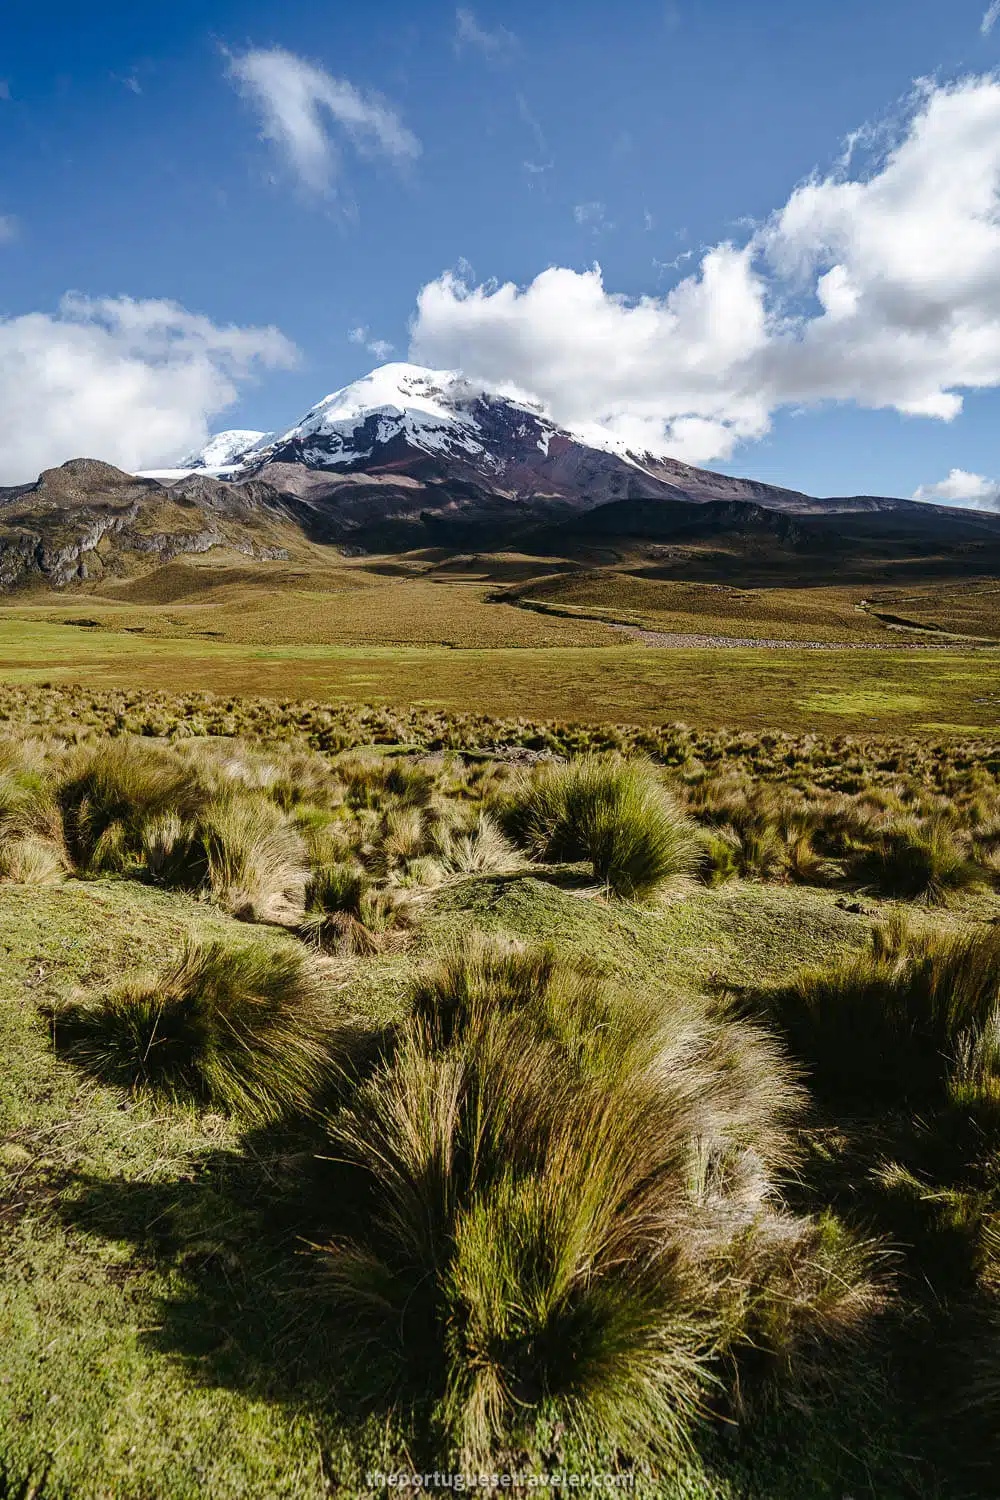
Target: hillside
x,y
88,520
429,468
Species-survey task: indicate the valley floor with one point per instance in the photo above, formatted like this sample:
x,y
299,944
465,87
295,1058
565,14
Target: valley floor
x,y
830,691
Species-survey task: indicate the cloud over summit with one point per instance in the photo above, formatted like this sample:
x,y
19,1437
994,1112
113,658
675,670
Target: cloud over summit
x,y
880,288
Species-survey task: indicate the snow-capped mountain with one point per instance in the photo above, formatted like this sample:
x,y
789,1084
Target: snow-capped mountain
x,y
435,411
226,449
438,429
407,459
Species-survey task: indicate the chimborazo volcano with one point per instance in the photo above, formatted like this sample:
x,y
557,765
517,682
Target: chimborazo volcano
x,y
407,458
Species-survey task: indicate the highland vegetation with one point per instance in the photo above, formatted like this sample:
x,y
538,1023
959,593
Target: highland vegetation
x,y
501,971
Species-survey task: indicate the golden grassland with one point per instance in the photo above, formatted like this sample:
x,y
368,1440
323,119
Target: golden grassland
x,y
431,630
865,692
821,614
972,608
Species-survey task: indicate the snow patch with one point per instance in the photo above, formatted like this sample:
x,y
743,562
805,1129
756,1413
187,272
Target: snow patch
x,y
432,410
226,449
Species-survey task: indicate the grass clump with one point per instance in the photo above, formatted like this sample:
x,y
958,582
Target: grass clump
x,y
917,1015
254,856
345,912
614,813
924,861
109,794
560,1183
235,1028
32,861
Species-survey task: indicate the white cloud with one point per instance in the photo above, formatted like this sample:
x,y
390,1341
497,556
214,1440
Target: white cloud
x,y
9,228
497,45
131,382
299,101
381,348
882,288
974,491
990,18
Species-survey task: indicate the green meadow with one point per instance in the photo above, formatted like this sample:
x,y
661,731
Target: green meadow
x,y
861,691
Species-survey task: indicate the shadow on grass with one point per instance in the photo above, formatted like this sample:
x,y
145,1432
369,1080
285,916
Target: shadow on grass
x,y
240,1292
242,1301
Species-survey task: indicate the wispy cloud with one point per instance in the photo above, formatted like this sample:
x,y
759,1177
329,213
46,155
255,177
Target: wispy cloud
x,y
990,19
4,89
497,45
301,106
128,81
381,348
592,216
9,228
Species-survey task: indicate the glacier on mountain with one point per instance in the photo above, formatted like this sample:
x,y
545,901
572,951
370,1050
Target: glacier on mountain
x,y
436,411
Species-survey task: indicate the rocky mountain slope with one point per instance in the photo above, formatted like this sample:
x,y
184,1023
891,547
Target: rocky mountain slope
x,y
88,520
408,458
432,425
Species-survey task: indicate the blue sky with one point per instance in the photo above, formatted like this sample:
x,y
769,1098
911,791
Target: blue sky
x,y
496,143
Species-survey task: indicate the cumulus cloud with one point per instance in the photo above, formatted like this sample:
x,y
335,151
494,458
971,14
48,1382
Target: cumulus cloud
x,y
974,491
497,45
881,288
657,371
381,348
131,382
301,105
990,18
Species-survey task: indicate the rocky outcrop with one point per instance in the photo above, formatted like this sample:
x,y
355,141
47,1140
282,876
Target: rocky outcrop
x,y
89,518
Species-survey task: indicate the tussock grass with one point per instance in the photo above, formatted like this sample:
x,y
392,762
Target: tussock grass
x,y
479,849
28,807
925,861
567,1194
254,855
174,852
108,794
612,812
346,913
237,1028
32,861
915,1016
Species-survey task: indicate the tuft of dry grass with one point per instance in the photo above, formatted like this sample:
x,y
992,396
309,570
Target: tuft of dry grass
x,y
238,1028
568,1207
613,812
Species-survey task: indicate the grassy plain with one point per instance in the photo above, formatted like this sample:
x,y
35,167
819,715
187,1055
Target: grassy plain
x,y
460,633
164,1327
851,691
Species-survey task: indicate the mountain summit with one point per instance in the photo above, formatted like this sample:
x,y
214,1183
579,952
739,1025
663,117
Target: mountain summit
x,y
436,411
409,458
438,427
